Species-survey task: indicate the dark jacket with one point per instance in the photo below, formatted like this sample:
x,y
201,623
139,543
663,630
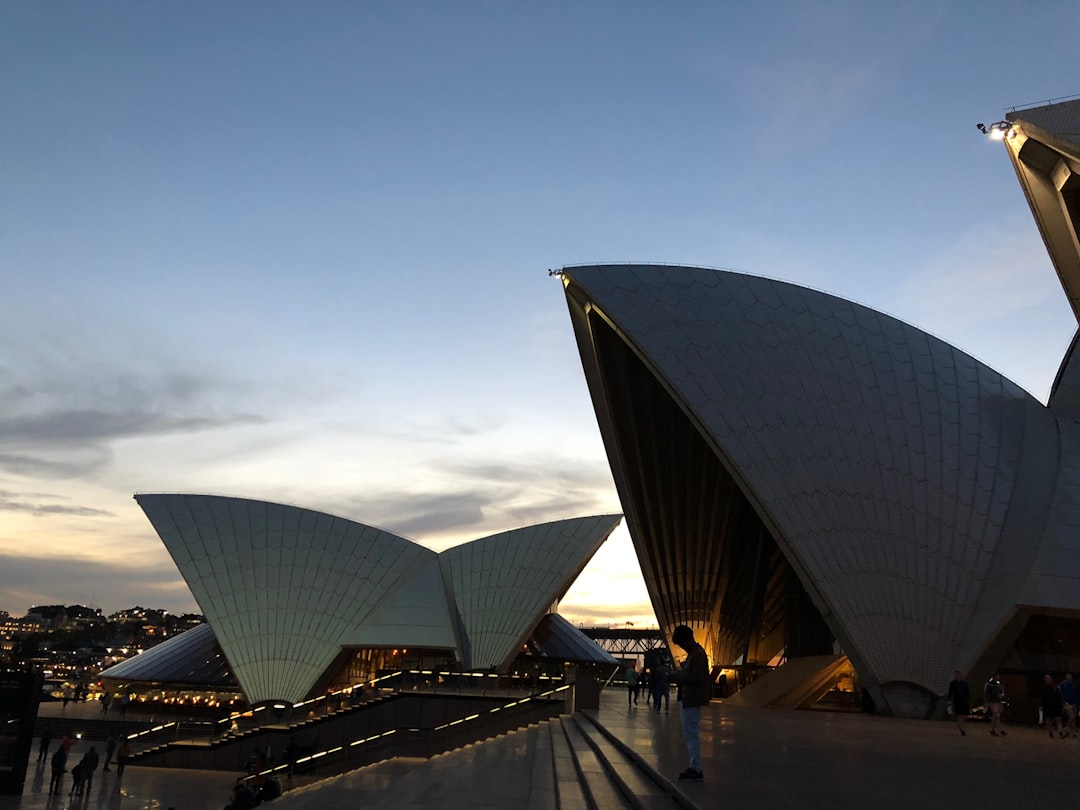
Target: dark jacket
x,y
960,697
90,760
694,678
1050,700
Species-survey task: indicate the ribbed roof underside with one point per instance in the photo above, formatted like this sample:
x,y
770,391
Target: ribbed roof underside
x,y
282,586
193,657
504,584
883,459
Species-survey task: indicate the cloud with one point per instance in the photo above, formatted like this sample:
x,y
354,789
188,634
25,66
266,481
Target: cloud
x,y
835,62
481,498
73,464
85,425
29,581
993,270
18,502
43,434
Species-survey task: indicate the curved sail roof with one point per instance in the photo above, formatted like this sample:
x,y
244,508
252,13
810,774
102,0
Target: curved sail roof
x,y
902,480
193,657
504,584
287,589
283,587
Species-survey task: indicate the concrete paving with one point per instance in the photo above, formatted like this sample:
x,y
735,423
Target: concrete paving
x,y
140,789
752,758
755,758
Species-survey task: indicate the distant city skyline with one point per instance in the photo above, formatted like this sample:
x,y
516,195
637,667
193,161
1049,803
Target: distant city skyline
x,y
302,256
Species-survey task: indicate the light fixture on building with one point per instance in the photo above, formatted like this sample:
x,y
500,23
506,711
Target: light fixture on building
x,y
997,130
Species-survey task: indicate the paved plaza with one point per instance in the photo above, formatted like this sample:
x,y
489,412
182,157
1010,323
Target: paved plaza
x,y
753,758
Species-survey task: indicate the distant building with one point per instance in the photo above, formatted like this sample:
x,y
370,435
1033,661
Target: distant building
x,y
801,473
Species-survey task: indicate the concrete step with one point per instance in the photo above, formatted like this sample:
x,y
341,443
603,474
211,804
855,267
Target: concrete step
x,y
512,770
637,784
570,790
602,792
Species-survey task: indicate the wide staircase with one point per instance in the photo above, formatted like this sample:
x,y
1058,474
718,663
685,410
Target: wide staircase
x,y
568,762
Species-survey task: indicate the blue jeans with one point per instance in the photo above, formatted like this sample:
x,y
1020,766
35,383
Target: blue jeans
x,y
691,730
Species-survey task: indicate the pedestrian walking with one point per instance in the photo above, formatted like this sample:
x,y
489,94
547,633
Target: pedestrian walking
x,y
89,764
1070,696
123,754
1051,707
661,686
959,701
110,747
994,697
632,685
59,768
43,743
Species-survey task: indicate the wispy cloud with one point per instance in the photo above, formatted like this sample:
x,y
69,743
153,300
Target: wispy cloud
x,y
993,270
993,294
465,500
110,583
38,504
833,61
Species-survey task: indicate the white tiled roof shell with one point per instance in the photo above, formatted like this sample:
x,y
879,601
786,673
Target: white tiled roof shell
x,y
190,657
1062,120
504,584
282,586
884,459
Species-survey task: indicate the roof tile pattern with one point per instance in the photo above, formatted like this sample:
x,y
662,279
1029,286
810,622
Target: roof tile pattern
x,y
282,586
286,589
193,657
504,584
884,459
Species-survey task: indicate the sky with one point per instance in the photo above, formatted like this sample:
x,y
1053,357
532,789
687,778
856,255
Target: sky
x,y
299,251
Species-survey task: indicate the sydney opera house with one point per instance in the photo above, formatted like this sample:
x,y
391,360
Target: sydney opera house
x,y
805,476
298,602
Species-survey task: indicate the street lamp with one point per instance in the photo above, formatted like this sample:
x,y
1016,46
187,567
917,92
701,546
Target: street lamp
x,y
996,131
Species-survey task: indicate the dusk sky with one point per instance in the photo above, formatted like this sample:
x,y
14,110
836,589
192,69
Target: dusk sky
x,y
299,251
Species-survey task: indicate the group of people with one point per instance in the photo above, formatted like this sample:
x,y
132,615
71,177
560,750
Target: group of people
x,y
958,703
1057,704
82,774
656,681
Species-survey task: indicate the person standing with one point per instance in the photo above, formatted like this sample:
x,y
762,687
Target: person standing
x,y
994,696
694,680
1069,699
1050,703
631,684
960,700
